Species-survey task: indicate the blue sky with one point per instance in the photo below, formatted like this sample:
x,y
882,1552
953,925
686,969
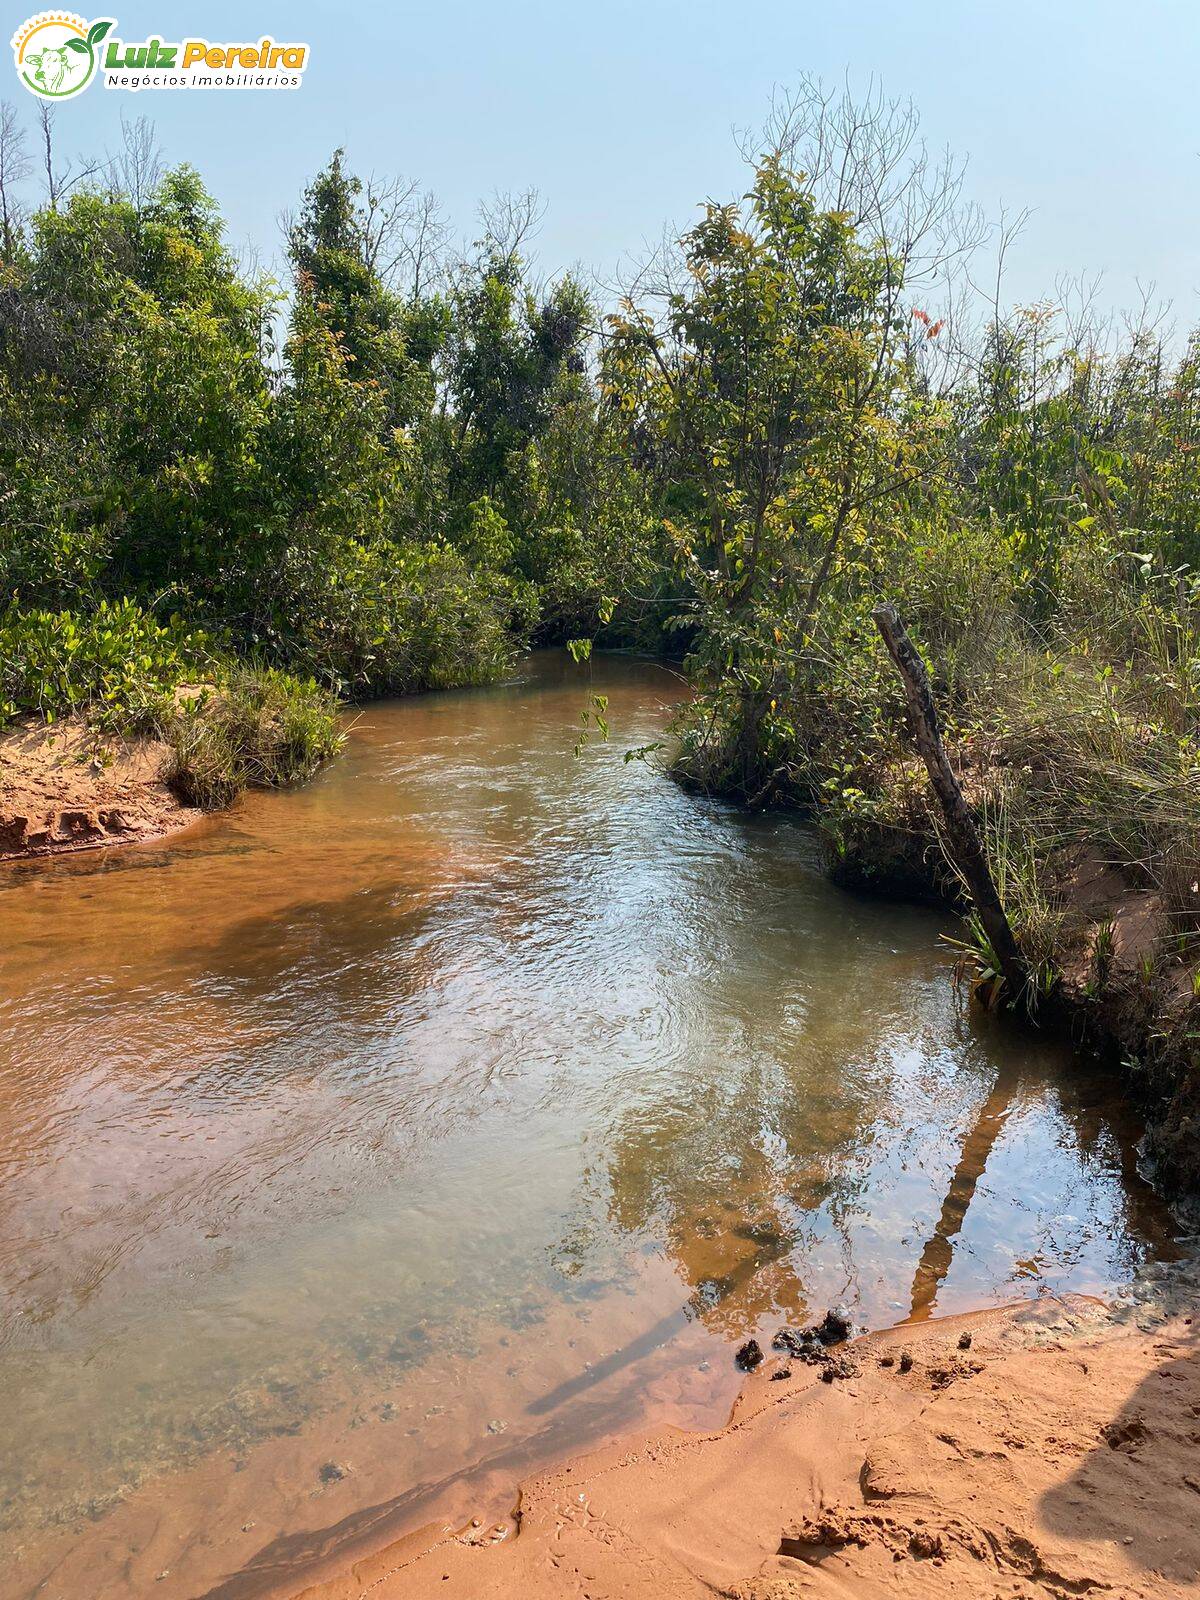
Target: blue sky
x,y
622,114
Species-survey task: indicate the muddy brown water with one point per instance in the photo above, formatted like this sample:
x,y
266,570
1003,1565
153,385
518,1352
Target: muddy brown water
x,y
370,1145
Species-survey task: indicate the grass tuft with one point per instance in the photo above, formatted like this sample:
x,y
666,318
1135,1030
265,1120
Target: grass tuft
x,y
258,730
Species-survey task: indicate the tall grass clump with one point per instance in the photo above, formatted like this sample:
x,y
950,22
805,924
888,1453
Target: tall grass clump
x,y
259,729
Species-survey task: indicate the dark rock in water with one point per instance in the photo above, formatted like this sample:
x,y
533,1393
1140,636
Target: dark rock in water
x,y
764,1233
409,1349
333,1472
523,1317
835,1325
709,1293
964,1341
749,1356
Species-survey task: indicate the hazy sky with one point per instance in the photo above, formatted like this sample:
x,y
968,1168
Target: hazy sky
x,y
622,114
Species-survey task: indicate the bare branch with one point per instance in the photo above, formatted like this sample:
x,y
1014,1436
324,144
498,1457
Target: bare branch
x,y
509,222
137,169
15,167
60,180
404,233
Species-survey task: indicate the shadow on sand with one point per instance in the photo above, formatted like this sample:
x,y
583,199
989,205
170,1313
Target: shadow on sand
x,y
1139,1486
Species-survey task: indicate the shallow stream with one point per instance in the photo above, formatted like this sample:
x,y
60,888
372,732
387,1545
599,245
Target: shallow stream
x,y
371,1144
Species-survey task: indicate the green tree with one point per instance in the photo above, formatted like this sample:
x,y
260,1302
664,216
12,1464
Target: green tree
x,y
141,359
390,339
771,384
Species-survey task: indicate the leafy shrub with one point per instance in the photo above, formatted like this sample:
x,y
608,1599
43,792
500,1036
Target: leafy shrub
x,y
395,619
117,663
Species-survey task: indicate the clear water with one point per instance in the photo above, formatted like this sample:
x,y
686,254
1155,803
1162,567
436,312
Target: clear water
x,y
371,1144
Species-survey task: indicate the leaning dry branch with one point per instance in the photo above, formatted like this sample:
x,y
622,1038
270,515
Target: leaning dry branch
x,y
963,842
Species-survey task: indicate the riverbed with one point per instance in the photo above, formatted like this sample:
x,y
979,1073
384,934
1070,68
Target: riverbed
x,y
366,1146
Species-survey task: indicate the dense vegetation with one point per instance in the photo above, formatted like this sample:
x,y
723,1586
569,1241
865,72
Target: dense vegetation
x,y
389,479
409,462
827,425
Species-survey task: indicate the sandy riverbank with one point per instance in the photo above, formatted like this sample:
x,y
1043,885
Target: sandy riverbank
x,y
63,786
1056,1454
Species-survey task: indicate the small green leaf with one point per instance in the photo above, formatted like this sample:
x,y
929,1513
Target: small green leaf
x,y
97,31
78,46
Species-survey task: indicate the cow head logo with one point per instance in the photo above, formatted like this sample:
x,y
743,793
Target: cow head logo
x,y
57,54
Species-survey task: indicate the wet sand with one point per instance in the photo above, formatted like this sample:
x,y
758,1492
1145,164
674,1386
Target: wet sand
x,y
1058,1454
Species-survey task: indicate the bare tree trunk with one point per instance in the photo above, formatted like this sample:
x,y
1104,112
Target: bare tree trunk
x,y
14,169
46,118
962,836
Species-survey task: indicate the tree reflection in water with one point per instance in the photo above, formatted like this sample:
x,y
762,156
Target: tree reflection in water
x,y
787,1186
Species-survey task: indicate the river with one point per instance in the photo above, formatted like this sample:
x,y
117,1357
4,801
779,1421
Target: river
x,y
364,1147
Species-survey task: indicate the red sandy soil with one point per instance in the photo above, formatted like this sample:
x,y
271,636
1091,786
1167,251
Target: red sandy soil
x,y
67,787
1057,1455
